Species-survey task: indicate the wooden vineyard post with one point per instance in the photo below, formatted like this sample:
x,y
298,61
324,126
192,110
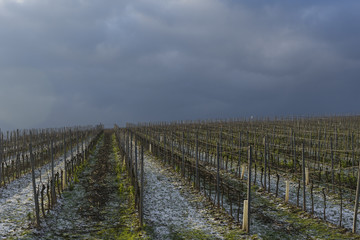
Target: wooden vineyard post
x,y
218,175
197,181
188,140
65,174
231,153
245,225
142,187
82,145
341,199
303,175
255,173
36,200
307,179
332,164
183,154
277,185
242,171
136,175
210,156
269,183
136,162
352,150
356,201
335,154
172,151
71,148
1,156
294,152
127,158
52,175
265,162
239,162
165,155
77,141
207,147
318,151
42,200
287,191
324,195
220,149
238,211
131,157
18,171
248,208
312,197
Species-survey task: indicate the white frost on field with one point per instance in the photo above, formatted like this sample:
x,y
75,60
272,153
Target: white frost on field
x,y
17,200
168,209
332,210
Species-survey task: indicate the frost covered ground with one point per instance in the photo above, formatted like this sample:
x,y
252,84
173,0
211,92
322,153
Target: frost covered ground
x,y
17,201
171,209
95,207
71,218
272,219
332,201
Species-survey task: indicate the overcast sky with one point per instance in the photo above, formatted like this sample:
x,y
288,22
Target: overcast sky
x,y
73,62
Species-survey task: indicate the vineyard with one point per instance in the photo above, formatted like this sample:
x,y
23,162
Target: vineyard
x,y
294,178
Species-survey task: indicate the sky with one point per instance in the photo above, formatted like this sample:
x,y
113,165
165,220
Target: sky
x,y
79,62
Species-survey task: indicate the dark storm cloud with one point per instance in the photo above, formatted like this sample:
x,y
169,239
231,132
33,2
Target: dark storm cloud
x,y
78,62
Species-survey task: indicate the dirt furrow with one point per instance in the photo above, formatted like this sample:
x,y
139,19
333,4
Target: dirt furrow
x,y
93,208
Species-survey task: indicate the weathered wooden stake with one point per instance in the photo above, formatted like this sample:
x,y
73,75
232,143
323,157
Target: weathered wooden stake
x,y
353,156
287,191
307,179
324,195
303,175
277,184
269,183
218,176
183,154
165,151
71,145
197,180
332,165
298,195
294,154
36,200
249,189
142,187
356,201
242,171
245,225
1,156
136,165
52,175
265,161
239,161
65,170
42,200
312,197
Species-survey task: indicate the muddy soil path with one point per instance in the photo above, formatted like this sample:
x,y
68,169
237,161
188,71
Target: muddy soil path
x,y
96,187
90,209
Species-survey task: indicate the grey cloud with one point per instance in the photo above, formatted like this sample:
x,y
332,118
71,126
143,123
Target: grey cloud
x,y
140,60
